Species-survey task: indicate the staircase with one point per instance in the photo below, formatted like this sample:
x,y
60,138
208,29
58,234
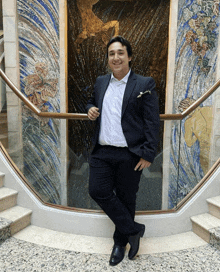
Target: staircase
x,y
13,218
4,129
207,225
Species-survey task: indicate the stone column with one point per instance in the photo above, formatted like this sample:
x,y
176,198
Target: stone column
x,y
215,143
63,99
12,71
169,100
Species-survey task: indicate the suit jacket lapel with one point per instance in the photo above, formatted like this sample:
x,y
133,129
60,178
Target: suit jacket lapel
x,y
128,90
103,88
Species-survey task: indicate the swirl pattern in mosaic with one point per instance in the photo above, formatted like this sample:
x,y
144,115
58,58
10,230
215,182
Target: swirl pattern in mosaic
x,y
195,73
38,28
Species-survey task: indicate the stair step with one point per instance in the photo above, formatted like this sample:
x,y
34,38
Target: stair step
x,y
3,121
4,140
214,206
103,245
3,136
1,179
8,198
3,116
5,231
20,217
3,126
202,225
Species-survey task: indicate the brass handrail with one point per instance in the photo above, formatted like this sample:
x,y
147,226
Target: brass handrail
x,y
192,107
78,116
84,116
29,104
205,179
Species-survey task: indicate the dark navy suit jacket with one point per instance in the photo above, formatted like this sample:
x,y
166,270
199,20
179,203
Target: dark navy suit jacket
x,y
140,116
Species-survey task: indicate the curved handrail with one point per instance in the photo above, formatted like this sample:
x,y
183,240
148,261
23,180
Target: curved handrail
x,y
78,116
192,107
84,116
205,179
30,105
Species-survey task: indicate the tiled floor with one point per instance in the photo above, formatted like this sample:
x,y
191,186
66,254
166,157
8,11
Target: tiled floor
x,y
37,249
18,255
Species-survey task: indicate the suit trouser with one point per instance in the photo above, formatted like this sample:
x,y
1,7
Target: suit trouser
x,y
113,184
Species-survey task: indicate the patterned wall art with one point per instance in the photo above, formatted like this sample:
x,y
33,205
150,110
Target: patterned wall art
x,y
195,73
38,26
196,56
91,24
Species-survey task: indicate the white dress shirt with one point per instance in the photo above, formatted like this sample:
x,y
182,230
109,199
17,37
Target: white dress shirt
x,y
111,130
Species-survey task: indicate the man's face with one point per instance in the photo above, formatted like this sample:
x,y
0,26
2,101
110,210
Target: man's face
x,y
118,59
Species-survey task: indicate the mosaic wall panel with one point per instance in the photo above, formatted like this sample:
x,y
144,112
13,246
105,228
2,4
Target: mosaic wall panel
x,y
91,23
195,73
38,28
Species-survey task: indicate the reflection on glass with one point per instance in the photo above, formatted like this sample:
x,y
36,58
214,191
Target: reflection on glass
x,y
185,154
87,51
149,196
87,60
197,127
196,146
172,158
41,149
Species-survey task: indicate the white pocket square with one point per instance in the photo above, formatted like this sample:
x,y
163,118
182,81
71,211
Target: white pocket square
x,y
141,93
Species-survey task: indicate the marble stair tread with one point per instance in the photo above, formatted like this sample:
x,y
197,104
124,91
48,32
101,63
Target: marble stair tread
x,y
15,213
19,216
214,201
5,192
102,245
3,113
206,221
8,198
3,116
3,126
214,206
3,122
3,136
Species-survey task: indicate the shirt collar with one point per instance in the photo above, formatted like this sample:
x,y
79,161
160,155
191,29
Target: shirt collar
x,y
124,79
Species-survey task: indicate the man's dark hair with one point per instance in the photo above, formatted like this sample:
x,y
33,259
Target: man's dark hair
x,y
124,42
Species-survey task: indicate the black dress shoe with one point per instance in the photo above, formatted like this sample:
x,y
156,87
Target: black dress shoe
x,y
118,253
134,242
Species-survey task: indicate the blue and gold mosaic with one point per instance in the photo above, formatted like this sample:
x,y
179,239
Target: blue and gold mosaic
x,y
38,27
195,73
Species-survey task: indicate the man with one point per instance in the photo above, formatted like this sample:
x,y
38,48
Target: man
x,y
125,107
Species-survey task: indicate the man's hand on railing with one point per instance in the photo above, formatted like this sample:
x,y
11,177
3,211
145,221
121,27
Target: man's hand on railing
x,y
93,113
